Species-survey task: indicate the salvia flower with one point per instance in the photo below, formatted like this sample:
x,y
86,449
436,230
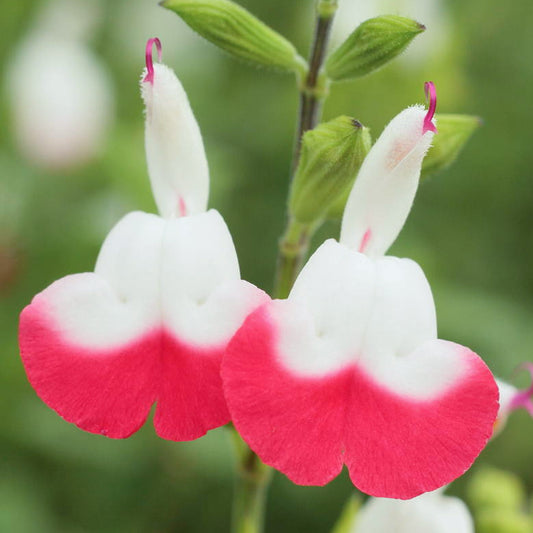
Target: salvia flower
x,y
151,323
512,399
429,513
349,368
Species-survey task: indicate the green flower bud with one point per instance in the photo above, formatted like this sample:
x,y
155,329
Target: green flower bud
x,y
503,521
237,31
330,159
454,132
491,488
372,44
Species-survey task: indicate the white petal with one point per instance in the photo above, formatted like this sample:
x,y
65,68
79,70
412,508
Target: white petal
x,y
179,275
402,316
174,148
130,257
334,293
507,393
204,300
431,512
346,308
119,301
386,185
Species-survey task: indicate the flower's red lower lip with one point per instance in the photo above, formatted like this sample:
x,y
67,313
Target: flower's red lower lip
x,y
308,427
111,392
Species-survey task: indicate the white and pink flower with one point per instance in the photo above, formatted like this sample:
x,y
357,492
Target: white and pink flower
x,y
151,323
349,369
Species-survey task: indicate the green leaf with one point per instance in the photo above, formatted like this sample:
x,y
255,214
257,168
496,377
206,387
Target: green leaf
x,y
330,159
238,32
374,43
454,131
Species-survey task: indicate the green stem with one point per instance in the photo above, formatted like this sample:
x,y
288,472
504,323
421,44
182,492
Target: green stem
x,y
293,248
252,478
252,475
294,244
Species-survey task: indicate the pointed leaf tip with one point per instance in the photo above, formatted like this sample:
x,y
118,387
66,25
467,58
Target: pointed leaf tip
x,y
373,44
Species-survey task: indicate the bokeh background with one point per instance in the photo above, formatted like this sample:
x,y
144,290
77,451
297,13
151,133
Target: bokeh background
x,y
470,229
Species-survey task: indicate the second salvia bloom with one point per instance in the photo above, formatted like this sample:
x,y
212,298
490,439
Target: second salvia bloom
x,y
151,323
349,369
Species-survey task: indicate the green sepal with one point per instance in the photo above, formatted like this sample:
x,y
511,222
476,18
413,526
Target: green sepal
x,y
330,158
374,43
235,30
454,131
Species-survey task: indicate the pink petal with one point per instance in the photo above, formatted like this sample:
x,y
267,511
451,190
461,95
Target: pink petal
x,y
190,400
307,426
418,446
294,424
101,391
111,391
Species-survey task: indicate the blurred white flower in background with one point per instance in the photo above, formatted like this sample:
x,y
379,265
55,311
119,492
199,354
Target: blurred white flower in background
x,y
430,513
431,13
60,93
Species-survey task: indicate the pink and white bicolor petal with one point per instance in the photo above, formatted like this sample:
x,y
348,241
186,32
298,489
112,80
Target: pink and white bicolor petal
x,y
101,348
348,370
102,390
394,445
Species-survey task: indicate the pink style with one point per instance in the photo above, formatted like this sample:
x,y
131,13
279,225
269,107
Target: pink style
x,y
151,323
349,368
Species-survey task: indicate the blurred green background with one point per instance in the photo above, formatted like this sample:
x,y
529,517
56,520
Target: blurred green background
x,y
470,229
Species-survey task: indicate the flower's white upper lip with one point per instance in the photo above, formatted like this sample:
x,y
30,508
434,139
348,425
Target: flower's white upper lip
x,y
175,153
384,190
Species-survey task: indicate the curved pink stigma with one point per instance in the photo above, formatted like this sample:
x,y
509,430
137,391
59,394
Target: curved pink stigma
x,y
149,62
524,399
431,96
